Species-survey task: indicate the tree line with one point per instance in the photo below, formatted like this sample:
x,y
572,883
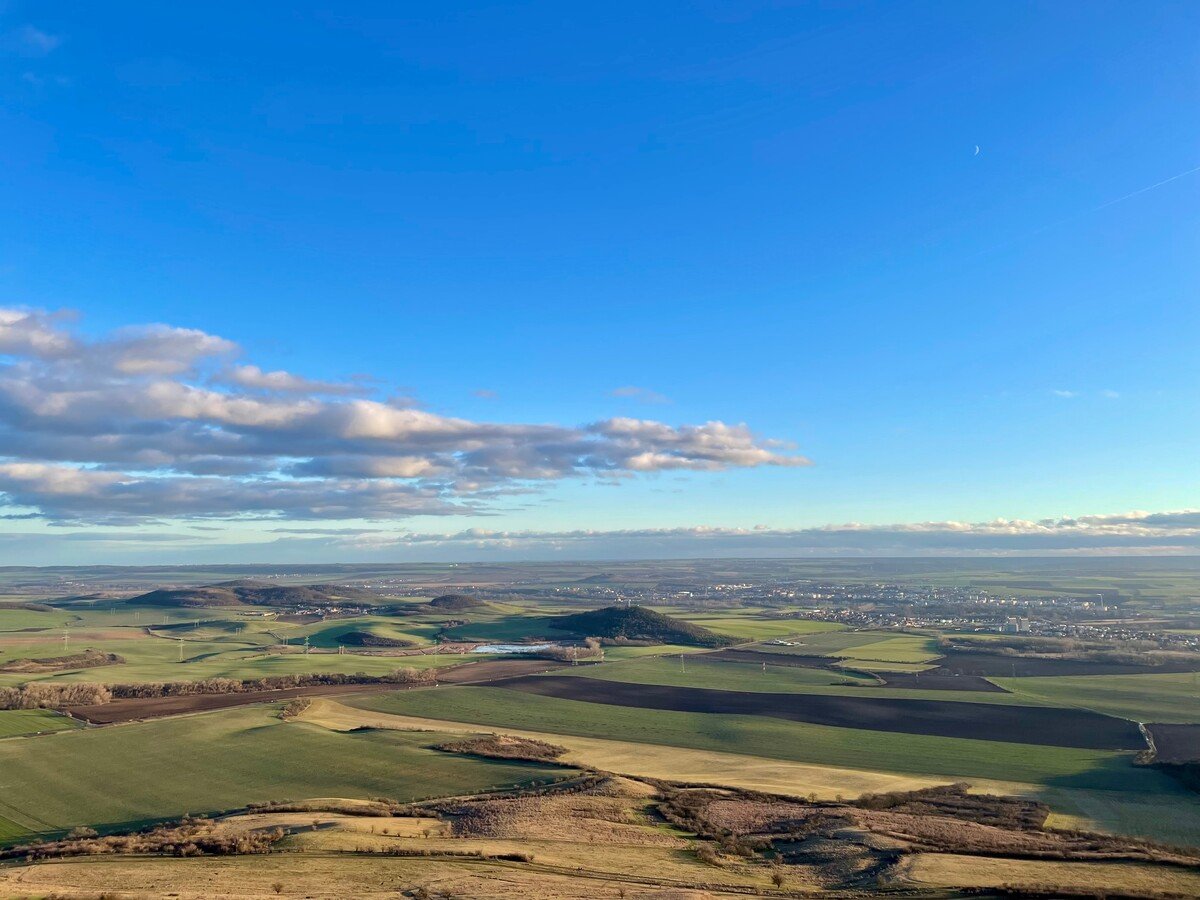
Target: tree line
x,y
39,695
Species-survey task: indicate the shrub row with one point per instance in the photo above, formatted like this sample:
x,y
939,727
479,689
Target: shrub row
x,y
35,695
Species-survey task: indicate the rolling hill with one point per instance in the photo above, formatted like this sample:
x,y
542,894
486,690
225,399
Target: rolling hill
x,y
255,593
636,623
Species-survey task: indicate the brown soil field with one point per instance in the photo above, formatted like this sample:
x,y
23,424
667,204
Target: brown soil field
x,y
934,681
493,669
157,707
999,665
978,721
1176,744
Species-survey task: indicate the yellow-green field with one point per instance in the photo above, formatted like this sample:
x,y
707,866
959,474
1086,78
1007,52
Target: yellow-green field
x,y
22,722
124,775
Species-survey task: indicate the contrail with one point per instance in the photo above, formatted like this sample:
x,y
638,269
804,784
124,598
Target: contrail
x,y
1079,215
1145,189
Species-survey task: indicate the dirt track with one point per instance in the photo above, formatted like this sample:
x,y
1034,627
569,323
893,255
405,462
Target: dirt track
x,y
980,721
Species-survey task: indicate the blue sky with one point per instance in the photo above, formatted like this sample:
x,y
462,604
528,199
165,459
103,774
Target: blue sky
x,y
762,213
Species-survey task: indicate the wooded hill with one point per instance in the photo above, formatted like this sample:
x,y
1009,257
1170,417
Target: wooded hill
x,y
636,623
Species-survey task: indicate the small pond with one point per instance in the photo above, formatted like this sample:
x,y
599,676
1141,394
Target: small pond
x,y
511,648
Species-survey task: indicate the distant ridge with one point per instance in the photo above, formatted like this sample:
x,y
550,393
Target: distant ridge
x,y
245,592
636,623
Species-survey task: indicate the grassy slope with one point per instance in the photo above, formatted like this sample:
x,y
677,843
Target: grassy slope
x,y
221,760
18,722
1144,698
761,736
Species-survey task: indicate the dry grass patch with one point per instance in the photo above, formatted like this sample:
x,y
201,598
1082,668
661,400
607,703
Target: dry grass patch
x,y
593,820
947,870
505,746
322,877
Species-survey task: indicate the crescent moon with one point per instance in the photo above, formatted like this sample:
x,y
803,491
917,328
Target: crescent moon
x,y
976,150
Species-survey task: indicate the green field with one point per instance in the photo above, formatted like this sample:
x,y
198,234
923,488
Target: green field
x,y
123,776
14,618
776,738
833,643
164,665
1143,698
872,650
19,722
870,665
491,627
700,671
224,643
634,652
752,627
905,648
114,777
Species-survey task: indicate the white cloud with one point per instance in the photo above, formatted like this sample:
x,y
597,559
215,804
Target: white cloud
x,y
33,333
284,382
158,421
160,349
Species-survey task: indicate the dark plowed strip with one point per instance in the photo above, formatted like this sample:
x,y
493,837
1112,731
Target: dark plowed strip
x,y
999,665
794,660
936,680
939,682
980,721
1176,744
